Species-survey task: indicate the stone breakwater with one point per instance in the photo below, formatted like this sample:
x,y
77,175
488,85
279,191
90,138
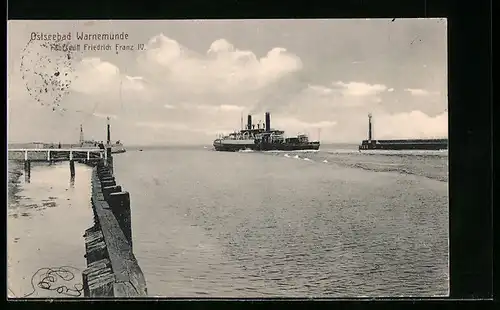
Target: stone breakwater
x,y
112,269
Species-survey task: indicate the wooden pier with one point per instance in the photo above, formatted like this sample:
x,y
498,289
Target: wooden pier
x,y
56,154
112,269
84,155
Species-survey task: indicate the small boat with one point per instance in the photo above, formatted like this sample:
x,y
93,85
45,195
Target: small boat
x,y
117,147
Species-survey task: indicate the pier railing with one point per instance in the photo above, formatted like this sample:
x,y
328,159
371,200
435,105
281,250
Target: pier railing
x,y
56,154
51,155
112,269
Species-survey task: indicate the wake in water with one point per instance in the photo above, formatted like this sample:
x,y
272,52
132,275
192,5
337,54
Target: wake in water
x,y
296,151
246,151
429,164
443,153
297,157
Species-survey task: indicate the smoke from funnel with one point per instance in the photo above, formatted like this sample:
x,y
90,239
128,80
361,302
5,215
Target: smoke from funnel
x,y
279,95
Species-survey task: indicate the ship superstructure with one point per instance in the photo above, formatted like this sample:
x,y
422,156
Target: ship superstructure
x,y
263,138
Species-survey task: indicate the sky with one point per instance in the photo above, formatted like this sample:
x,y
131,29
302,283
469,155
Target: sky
x,y
195,79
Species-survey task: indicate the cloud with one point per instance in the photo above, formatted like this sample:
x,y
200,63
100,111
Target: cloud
x,y
94,76
169,70
229,107
294,123
414,124
162,125
319,99
213,108
420,92
320,90
100,115
174,69
135,83
360,88
293,126
173,126
223,69
170,92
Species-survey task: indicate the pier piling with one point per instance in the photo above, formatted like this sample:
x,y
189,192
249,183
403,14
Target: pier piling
x,y
110,189
27,171
108,182
72,168
112,269
120,205
98,279
110,162
108,177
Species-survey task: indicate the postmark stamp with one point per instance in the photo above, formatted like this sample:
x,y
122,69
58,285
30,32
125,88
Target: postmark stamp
x,y
47,70
48,61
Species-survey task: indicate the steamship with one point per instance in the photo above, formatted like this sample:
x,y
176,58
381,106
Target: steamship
x,y
263,139
407,144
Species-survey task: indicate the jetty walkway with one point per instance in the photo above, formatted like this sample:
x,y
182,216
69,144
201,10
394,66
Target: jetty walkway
x,y
112,269
84,155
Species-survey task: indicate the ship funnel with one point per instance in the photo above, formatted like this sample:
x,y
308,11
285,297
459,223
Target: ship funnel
x,y
268,121
249,122
369,127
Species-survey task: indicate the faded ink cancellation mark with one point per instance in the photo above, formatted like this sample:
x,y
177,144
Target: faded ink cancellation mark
x,y
47,74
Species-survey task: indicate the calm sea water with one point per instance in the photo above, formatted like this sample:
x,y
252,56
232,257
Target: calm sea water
x,y
330,223
333,223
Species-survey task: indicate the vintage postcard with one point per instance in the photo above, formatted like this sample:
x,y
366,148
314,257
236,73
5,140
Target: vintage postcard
x,y
228,158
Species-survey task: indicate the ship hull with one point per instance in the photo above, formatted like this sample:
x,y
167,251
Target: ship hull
x,y
431,145
266,147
